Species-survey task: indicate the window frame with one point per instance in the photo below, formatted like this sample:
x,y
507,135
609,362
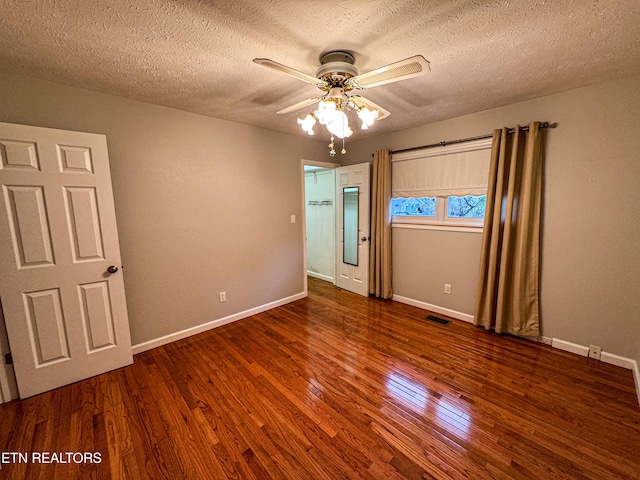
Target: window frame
x,y
441,220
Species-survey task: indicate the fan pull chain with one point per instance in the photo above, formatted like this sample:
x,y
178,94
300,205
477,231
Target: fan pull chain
x,y
332,151
343,135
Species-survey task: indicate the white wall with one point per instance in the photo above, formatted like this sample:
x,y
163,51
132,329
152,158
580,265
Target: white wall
x,y
203,205
590,279
320,222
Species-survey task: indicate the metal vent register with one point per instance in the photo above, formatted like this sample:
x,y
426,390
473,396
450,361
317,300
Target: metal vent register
x,y
438,320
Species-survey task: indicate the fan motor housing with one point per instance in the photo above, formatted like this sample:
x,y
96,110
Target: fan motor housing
x,y
338,65
337,56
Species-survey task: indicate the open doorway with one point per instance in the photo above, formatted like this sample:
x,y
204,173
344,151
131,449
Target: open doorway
x,y
319,220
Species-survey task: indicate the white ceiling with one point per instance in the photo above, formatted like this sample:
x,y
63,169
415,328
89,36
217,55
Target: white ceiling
x,y
196,55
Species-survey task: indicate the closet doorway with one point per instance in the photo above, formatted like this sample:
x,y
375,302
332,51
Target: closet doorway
x,y
319,220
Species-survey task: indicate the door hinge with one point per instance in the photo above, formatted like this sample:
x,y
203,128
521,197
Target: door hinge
x,y
8,359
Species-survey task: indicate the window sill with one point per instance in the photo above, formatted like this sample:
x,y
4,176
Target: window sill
x,y
448,227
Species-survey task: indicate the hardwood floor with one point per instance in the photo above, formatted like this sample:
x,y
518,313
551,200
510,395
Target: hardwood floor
x,y
337,386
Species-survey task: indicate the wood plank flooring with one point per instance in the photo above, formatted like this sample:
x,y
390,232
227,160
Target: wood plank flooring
x,y
337,386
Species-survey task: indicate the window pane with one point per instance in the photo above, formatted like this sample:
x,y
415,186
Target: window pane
x,y
423,206
469,206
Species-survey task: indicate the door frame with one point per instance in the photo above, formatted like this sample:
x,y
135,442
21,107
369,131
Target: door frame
x,y
312,163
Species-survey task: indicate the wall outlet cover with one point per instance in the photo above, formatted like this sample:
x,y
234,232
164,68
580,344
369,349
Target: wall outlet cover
x,y
595,352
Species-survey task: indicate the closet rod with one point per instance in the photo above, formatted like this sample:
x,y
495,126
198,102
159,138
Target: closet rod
x,y
470,139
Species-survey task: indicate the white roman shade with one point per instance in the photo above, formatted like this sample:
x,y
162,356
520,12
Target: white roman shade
x,y
460,169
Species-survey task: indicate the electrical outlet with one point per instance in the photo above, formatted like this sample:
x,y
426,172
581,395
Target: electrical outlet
x,y
595,351
293,219
447,289
223,297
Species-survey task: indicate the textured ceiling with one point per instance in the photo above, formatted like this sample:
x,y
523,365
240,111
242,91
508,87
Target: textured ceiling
x,y
197,55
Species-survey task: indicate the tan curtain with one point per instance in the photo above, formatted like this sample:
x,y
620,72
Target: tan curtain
x,y
380,248
507,299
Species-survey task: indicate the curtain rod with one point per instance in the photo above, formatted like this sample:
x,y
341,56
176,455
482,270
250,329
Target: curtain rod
x,y
469,139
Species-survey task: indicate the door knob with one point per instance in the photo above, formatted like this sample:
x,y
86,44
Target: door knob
x,y
364,239
112,269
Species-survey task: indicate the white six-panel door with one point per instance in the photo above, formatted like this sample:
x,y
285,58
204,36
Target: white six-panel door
x,y
65,312
353,276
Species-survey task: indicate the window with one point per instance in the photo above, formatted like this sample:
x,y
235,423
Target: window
x,y
469,206
461,211
443,186
414,207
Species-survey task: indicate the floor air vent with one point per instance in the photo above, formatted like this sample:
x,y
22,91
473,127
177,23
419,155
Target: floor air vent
x,y
438,320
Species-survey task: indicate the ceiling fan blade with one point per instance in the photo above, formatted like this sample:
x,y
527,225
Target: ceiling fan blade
x,y
299,105
360,101
278,67
394,72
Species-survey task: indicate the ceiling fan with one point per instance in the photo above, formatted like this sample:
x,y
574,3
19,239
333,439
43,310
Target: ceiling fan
x,y
338,80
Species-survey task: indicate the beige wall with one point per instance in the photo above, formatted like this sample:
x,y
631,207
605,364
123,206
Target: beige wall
x,y
590,285
203,205
420,273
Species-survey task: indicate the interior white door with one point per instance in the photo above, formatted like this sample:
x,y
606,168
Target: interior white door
x,y
352,226
61,288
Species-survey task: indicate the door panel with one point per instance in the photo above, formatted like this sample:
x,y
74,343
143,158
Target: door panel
x,y
353,275
75,159
27,214
84,223
96,315
65,314
47,329
18,155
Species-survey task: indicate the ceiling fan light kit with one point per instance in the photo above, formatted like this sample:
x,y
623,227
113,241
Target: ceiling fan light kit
x,y
337,77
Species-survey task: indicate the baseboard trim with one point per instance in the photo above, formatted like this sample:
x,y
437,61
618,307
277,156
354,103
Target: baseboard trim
x,y
570,347
158,342
617,360
636,377
326,278
465,317
583,351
